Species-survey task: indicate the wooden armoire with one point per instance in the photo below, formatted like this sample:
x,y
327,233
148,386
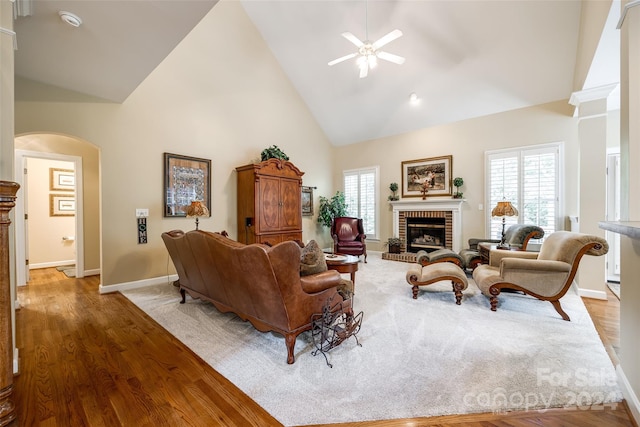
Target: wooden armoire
x,y
269,202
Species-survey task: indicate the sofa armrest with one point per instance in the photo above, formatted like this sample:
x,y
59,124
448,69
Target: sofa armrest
x,y
497,255
319,282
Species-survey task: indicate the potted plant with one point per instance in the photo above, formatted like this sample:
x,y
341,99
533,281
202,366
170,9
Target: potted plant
x,y
394,188
458,182
331,208
273,152
394,244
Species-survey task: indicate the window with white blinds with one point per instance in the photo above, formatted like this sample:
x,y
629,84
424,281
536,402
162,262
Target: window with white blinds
x,y
529,178
361,194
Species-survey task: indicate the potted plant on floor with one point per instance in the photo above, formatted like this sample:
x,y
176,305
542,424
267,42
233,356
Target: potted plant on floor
x,y
331,208
394,244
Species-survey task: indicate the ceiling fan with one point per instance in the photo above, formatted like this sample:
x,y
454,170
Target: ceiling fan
x,y
368,52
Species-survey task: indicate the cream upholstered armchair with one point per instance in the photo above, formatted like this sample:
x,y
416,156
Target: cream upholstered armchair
x,y
516,237
546,275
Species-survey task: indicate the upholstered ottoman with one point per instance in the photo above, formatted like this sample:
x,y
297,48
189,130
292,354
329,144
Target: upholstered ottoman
x,y
419,275
470,258
441,255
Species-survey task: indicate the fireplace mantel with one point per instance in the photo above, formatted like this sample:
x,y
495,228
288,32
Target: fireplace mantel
x,y
432,204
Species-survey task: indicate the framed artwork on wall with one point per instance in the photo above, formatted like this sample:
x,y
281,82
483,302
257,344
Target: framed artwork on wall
x,y
427,177
62,205
307,201
185,179
62,179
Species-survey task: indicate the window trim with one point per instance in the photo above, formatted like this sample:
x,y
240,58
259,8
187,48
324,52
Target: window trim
x,y
560,195
376,190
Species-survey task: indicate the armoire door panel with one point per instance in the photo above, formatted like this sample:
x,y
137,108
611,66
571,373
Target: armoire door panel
x,y
270,204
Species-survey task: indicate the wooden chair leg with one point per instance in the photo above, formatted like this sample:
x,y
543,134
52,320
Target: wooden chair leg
x,y
457,290
556,305
415,292
494,302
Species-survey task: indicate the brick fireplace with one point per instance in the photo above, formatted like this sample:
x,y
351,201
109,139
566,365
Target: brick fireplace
x,y
441,210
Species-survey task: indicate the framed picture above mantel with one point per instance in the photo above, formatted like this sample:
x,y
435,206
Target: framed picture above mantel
x,y
427,177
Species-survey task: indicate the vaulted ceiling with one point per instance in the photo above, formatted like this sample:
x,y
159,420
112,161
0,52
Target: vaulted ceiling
x,y
464,59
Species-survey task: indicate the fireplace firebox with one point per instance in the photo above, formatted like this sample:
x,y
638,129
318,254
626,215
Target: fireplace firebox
x,y
428,234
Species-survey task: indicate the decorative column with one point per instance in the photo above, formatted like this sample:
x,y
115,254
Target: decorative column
x,y
592,134
629,367
8,192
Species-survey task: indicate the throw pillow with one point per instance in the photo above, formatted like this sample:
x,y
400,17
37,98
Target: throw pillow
x,y
312,259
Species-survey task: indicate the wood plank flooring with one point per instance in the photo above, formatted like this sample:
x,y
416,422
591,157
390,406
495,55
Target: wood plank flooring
x,y
97,360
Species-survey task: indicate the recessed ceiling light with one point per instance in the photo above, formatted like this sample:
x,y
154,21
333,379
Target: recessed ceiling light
x,y
70,18
413,98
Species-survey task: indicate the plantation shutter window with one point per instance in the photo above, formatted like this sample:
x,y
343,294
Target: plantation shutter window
x,y
528,177
361,196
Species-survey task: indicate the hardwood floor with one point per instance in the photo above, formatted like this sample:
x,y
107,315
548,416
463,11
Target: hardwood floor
x,y
97,360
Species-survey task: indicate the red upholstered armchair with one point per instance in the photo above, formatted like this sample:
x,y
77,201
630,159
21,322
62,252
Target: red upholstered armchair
x,y
348,236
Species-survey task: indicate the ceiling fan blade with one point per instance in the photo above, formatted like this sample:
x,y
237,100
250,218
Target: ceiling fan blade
x,y
386,39
342,58
364,70
390,57
353,39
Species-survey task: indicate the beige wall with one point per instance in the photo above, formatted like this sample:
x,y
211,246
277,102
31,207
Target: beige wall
x,y
46,246
467,142
219,95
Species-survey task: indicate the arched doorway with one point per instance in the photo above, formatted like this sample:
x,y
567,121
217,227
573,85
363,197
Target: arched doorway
x,y
54,203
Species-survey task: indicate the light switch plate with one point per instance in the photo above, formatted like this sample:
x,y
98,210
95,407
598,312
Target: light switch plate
x,y
142,213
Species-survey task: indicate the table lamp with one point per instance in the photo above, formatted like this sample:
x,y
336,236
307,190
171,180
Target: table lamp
x,y
197,209
504,209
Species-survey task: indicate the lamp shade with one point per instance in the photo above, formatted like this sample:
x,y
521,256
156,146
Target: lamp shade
x,y
504,209
196,209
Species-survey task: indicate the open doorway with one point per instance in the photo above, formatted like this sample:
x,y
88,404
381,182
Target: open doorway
x,y
49,215
84,159
613,214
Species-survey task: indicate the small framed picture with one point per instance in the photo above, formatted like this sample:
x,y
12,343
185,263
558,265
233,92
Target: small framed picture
x,y
62,179
62,205
307,201
427,177
185,179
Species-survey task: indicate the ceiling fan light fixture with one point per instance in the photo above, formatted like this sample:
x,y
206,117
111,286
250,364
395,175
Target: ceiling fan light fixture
x,y
70,18
368,52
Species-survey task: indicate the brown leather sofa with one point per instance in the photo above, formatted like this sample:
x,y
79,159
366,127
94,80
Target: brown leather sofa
x,y
258,283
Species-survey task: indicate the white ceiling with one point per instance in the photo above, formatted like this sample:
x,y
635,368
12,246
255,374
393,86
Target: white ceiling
x,y
117,46
464,59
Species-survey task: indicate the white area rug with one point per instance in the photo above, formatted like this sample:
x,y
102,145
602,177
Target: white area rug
x,y
423,357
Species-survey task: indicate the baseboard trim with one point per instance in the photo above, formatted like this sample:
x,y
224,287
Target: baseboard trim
x,y
70,262
93,272
629,395
590,293
138,284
